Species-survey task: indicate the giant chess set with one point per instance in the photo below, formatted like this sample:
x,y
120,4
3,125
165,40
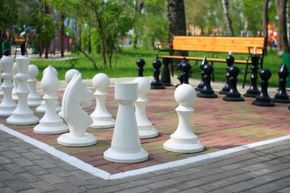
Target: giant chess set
x,y
66,119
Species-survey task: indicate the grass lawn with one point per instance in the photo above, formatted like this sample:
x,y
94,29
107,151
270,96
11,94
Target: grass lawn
x,y
125,65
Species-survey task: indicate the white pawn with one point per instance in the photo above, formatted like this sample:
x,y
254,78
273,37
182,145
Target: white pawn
x,y
101,117
22,115
33,98
41,107
70,74
125,145
145,128
76,118
50,123
184,140
7,105
15,82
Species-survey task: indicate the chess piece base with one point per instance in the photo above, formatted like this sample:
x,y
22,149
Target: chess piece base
x,y
206,95
50,127
252,93
167,84
22,119
6,110
68,140
263,102
103,122
157,85
183,145
118,157
147,132
281,99
234,99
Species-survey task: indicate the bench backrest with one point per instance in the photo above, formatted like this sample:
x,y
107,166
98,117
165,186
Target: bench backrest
x,y
241,45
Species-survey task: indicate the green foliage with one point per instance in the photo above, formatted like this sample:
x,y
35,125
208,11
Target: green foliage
x,y
152,25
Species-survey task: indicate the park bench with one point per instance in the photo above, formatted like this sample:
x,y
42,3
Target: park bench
x,y
236,45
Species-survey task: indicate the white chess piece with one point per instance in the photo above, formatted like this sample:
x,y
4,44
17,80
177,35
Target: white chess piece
x,y
145,128
70,74
76,118
22,115
7,105
33,98
41,107
15,82
125,145
50,123
184,140
101,117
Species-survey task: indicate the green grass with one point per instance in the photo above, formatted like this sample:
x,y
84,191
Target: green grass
x,y
125,65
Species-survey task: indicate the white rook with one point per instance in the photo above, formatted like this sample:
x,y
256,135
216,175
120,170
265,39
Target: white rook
x,y
184,140
7,105
145,128
125,145
22,115
101,117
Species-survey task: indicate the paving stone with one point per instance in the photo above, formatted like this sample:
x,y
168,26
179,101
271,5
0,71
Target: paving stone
x,y
4,160
69,188
30,191
285,190
43,186
36,170
52,179
22,162
7,190
45,164
13,168
30,156
18,185
4,175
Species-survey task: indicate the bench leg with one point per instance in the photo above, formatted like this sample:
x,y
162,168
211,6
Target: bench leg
x,y
245,75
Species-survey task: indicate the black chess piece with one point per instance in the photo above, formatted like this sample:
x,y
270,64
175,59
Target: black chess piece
x,y
200,85
185,70
263,99
282,96
230,62
22,49
140,66
165,75
207,91
156,83
233,94
253,90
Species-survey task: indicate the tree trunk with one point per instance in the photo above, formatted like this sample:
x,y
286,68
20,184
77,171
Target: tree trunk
x,y
176,19
228,21
265,24
1,40
62,35
139,4
282,28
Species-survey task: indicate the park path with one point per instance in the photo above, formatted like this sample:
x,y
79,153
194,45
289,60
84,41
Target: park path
x,y
27,169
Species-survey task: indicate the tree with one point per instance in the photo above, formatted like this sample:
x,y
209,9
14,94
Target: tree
x,y
265,23
228,21
176,20
7,18
282,28
110,19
